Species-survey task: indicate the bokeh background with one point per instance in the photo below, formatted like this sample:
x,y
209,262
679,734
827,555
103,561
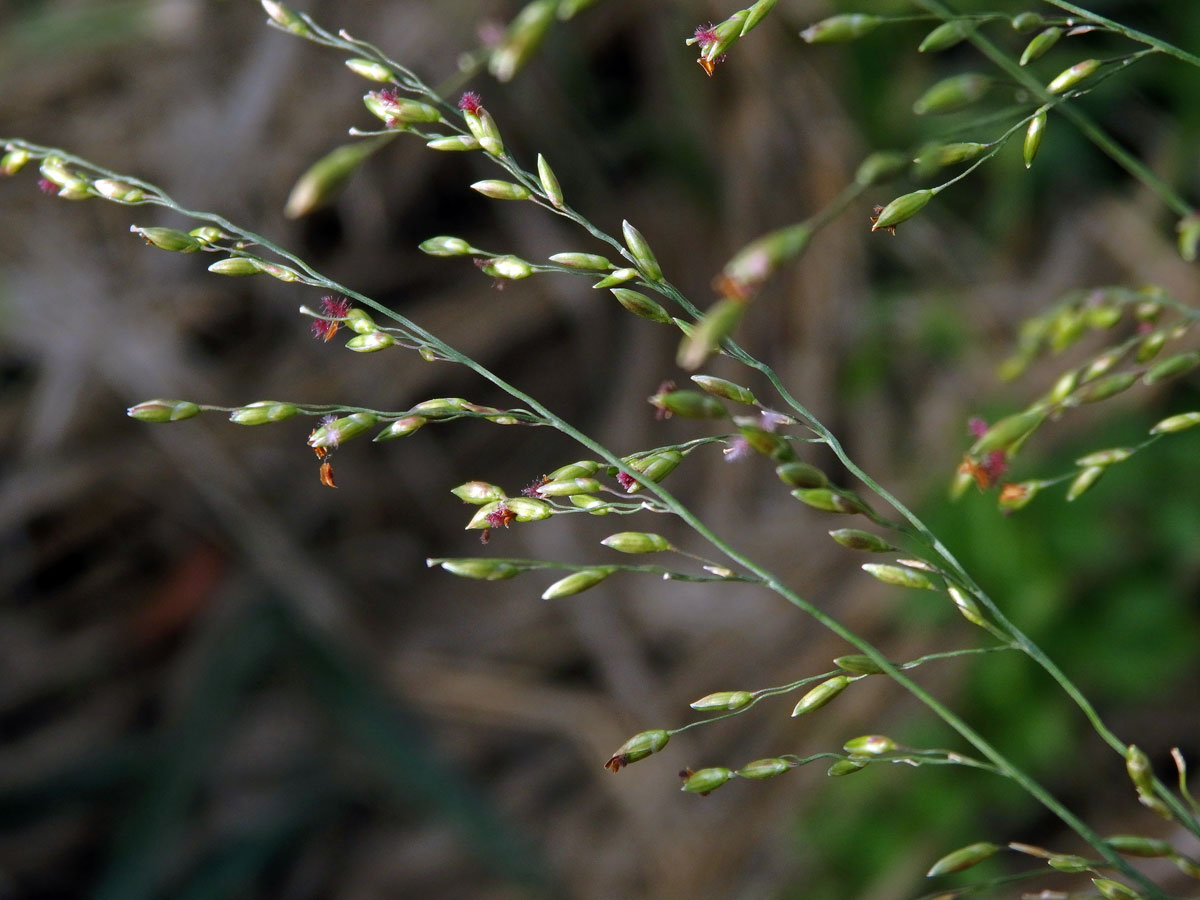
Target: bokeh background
x,y
220,679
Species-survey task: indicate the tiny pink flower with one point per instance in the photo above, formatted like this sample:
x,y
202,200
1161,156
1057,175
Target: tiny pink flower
x,y
470,102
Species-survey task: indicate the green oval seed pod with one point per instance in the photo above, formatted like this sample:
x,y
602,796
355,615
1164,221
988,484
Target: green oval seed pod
x,y
639,248
831,500
1188,228
716,325
937,156
1033,138
802,475
263,412
501,190
1039,44
594,505
324,178
638,747
1084,480
655,467
771,445
755,14
525,33
615,277
1180,422
845,767
478,492
878,168
568,487
333,434
966,604
900,576
901,209
1103,388
549,182
641,305
456,142
764,768
945,36
483,569
369,343
235,265
581,469
1172,366
1136,845
705,781
370,70
284,17
1068,862
401,428
636,542
1105,457
1068,78
719,387
529,509
13,161
1007,432
1109,889
869,745
114,190
168,239
747,269
581,261
963,858
1141,773
1102,316
360,322
952,94
512,268
163,410
840,29
820,695
858,664
855,539
689,404
723,700
207,234
575,583
1026,22
445,245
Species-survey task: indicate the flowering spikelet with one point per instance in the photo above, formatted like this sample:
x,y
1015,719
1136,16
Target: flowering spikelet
x,y
986,471
739,448
533,489
335,308
704,37
323,452
497,518
626,481
470,102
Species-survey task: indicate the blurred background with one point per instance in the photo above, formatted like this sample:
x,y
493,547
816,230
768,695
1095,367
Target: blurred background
x,y
219,679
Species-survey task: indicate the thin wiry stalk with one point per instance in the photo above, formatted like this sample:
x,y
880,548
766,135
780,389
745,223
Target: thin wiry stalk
x,y
158,197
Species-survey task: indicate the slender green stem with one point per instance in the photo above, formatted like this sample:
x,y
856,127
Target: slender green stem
x,y
1002,764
